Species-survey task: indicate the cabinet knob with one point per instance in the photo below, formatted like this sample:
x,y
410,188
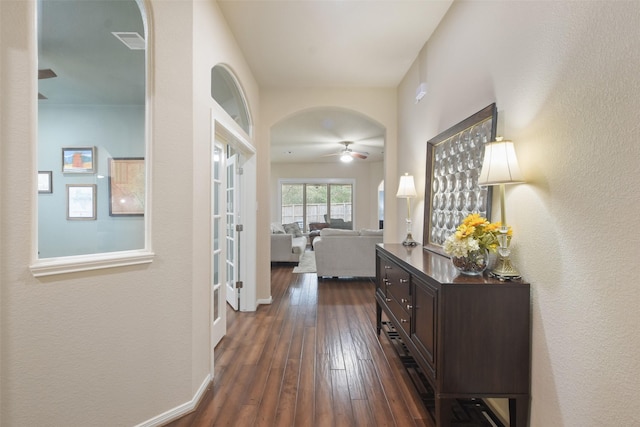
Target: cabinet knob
x,y
403,320
388,283
386,267
404,280
388,299
409,306
403,300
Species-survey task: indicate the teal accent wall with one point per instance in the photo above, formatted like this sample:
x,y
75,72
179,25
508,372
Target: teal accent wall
x,y
115,131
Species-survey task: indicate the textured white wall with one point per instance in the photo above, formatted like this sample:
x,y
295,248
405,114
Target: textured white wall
x,y
124,345
103,347
565,79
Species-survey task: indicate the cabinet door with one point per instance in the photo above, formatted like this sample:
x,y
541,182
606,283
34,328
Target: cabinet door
x,y
425,314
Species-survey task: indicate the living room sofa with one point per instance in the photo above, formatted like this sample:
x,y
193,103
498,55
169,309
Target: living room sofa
x,y
287,245
346,253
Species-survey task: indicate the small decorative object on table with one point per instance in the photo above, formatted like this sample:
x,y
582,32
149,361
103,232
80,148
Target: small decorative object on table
x,y
470,244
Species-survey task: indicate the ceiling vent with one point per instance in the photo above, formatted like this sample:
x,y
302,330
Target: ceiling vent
x,y
133,41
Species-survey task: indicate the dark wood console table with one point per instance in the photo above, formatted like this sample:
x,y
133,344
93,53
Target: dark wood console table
x,y
470,335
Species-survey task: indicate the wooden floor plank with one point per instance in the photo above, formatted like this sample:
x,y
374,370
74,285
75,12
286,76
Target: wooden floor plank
x,y
286,412
349,353
310,358
228,411
376,395
324,415
270,398
362,413
342,411
305,404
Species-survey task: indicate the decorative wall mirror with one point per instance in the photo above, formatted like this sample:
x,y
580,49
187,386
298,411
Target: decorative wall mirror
x,y
454,160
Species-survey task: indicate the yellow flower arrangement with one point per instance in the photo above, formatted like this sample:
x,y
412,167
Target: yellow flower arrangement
x,y
474,233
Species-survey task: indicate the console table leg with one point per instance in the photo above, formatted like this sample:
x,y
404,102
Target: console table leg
x,y
443,412
519,412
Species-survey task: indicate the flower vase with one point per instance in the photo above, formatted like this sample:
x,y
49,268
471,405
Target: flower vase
x,y
473,264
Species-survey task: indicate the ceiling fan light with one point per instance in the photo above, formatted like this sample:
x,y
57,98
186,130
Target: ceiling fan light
x,y
346,157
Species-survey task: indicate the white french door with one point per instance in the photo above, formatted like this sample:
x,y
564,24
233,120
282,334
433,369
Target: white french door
x,y
218,298
233,282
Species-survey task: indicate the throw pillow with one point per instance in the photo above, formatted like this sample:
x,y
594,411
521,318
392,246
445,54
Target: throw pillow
x,y
293,229
277,228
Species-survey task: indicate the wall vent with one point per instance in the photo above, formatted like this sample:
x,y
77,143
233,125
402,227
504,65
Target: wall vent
x,y
133,41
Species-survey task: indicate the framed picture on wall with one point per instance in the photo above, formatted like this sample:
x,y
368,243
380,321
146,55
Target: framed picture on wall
x,y
79,159
81,201
126,186
45,182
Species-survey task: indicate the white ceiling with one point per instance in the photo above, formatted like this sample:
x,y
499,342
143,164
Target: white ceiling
x,y
330,44
317,136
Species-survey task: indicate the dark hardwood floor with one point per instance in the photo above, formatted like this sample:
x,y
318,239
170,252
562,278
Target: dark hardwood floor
x,y
311,358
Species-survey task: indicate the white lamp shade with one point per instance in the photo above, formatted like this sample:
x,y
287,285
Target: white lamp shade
x,y
407,188
500,165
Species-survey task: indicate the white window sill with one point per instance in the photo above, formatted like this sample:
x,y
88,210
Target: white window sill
x,y
73,264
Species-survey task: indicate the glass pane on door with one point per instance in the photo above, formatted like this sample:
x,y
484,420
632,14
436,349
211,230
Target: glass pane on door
x,y
292,203
316,196
341,201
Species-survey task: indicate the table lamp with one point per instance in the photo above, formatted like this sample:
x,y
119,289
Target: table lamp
x,y
407,190
500,167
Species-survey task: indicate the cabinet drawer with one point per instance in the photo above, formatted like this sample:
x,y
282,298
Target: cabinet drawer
x,y
398,282
401,316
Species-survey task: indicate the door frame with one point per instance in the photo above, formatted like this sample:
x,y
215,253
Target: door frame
x,y
247,160
247,258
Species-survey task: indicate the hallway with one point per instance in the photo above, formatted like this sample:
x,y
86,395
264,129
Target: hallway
x,y
311,358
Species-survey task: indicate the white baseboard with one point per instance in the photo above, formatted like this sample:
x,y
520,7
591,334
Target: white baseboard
x,y
179,411
265,301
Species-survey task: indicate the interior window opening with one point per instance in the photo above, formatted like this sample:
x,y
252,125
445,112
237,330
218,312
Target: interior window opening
x,y
226,92
92,139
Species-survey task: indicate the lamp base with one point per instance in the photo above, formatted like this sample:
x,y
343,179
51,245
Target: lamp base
x,y
504,270
408,241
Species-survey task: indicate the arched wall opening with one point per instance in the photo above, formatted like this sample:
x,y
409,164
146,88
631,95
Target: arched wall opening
x,y
306,148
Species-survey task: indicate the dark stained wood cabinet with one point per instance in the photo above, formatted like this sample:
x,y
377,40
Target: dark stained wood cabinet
x,y
470,335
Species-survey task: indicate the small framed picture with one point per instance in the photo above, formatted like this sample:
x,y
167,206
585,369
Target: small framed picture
x,y
79,159
45,182
126,186
81,201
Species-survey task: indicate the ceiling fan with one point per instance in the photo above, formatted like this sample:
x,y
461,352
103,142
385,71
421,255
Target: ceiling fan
x,y
347,155
47,73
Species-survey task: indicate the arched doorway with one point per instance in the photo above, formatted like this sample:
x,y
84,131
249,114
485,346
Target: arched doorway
x,y
308,146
